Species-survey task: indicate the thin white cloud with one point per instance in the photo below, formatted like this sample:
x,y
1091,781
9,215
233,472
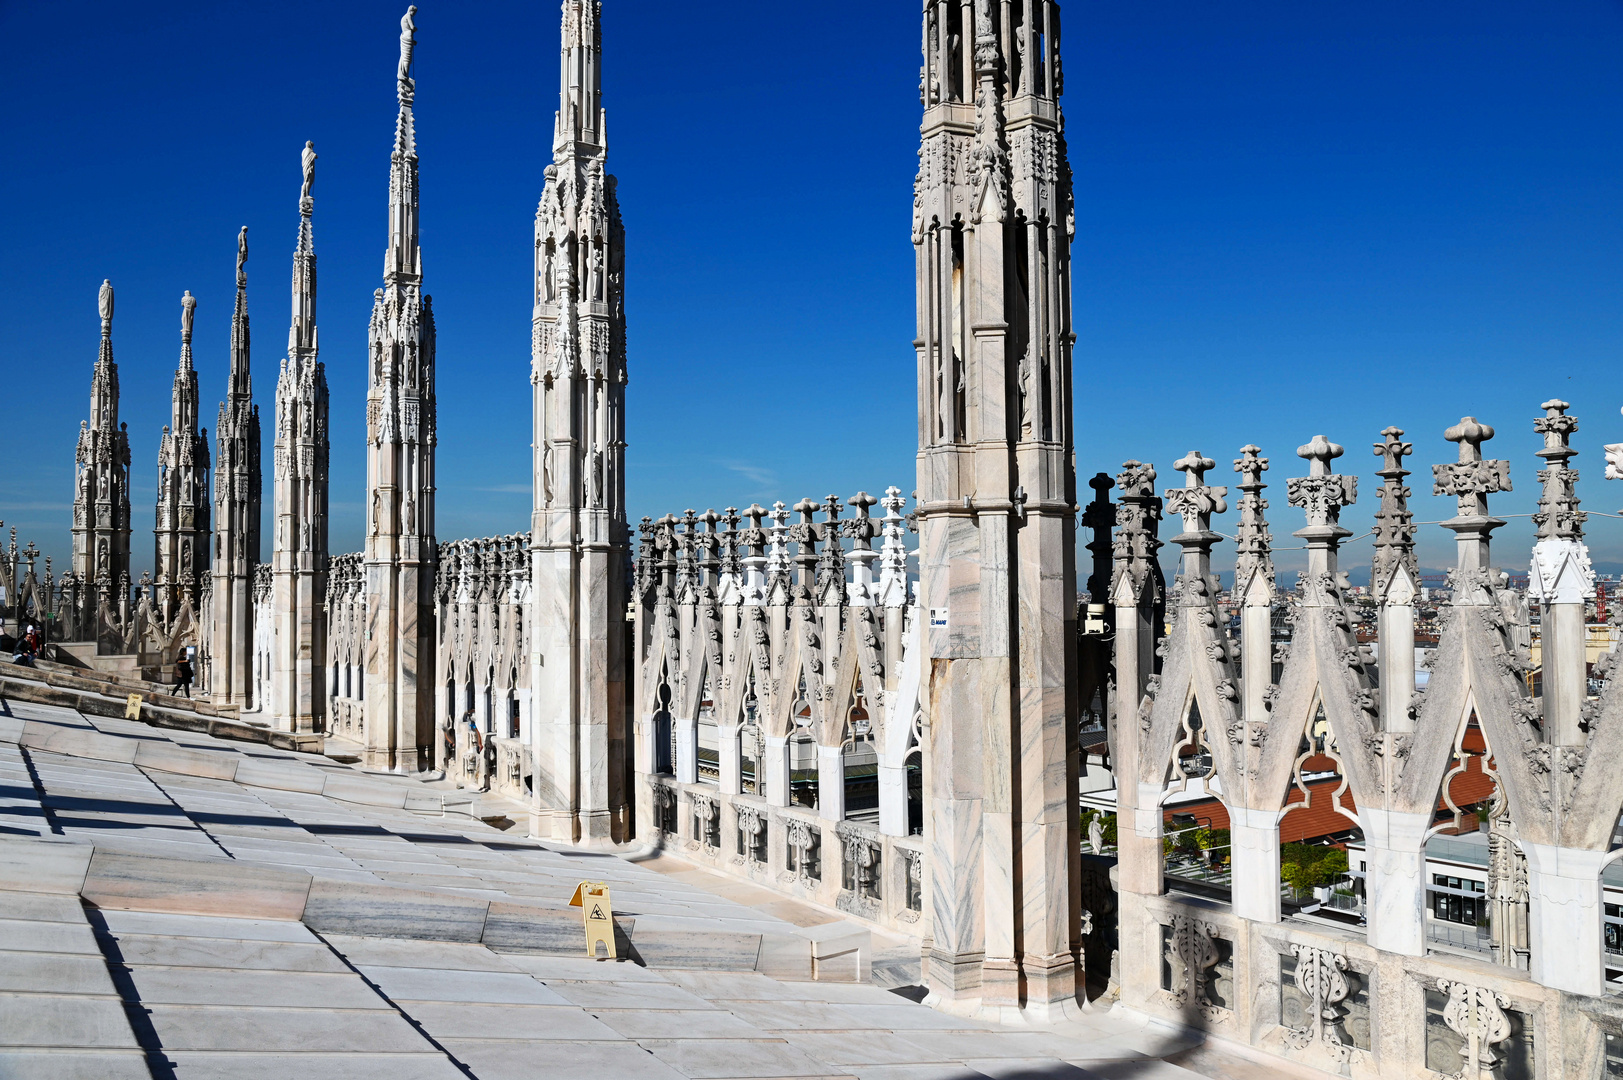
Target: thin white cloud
x,y
755,474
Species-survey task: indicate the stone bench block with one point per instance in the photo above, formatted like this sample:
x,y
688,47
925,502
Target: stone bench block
x,y
72,742
785,956
194,887
840,952
43,866
167,757
343,907
545,931
696,949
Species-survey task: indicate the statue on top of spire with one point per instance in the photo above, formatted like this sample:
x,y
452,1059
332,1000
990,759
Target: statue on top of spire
x,y
407,43
309,160
242,255
104,305
188,309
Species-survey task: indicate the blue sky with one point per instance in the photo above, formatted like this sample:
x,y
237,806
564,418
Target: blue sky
x,y
1291,218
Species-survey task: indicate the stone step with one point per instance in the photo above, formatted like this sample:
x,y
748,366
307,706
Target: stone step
x,y
159,710
118,881
74,677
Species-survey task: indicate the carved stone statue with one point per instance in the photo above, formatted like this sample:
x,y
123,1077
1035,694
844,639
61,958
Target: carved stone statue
x,y
188,307
594,283
565,279
309,160
1096,835
242,251
407,43
104,303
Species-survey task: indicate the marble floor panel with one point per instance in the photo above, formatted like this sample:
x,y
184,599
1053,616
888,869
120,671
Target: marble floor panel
x,y
223,997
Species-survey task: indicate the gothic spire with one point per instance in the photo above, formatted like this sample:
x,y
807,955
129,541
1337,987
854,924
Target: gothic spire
x,y
301,334
1254,543
580,91
403,264
1394,523
241,385
182,511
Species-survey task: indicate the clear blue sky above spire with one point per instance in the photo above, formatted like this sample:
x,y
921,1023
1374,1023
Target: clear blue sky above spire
x,y
1290,219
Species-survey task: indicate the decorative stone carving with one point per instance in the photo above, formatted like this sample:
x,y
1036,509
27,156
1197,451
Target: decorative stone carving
x,y
1321,978
1191,954
1477,1015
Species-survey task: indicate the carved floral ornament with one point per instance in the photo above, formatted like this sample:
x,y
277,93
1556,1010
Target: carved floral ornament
x,y
1477,1015
1321,978
1191,954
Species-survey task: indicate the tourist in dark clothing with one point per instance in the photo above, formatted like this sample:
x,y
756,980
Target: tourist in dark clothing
x,y
183,678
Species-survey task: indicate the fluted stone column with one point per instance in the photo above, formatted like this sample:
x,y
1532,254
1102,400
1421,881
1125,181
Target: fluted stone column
x,y
579,537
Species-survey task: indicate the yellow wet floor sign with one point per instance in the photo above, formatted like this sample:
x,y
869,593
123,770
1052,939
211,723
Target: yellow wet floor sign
x,y
592,897
132,707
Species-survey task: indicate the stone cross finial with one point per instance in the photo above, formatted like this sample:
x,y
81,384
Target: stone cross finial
x,y
1319,452
1251,465
861,528
1194,466
1136,480
1196,503
1558,516
1392,451
1471,479
1321,494
805,508
1394,524
755,512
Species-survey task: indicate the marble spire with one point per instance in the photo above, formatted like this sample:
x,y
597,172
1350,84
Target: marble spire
x,y
992,227
181,534
101,502
580,539
400,551
237,487
299,557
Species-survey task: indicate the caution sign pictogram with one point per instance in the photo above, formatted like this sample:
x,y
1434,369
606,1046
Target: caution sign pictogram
x,y
597,913
132,707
